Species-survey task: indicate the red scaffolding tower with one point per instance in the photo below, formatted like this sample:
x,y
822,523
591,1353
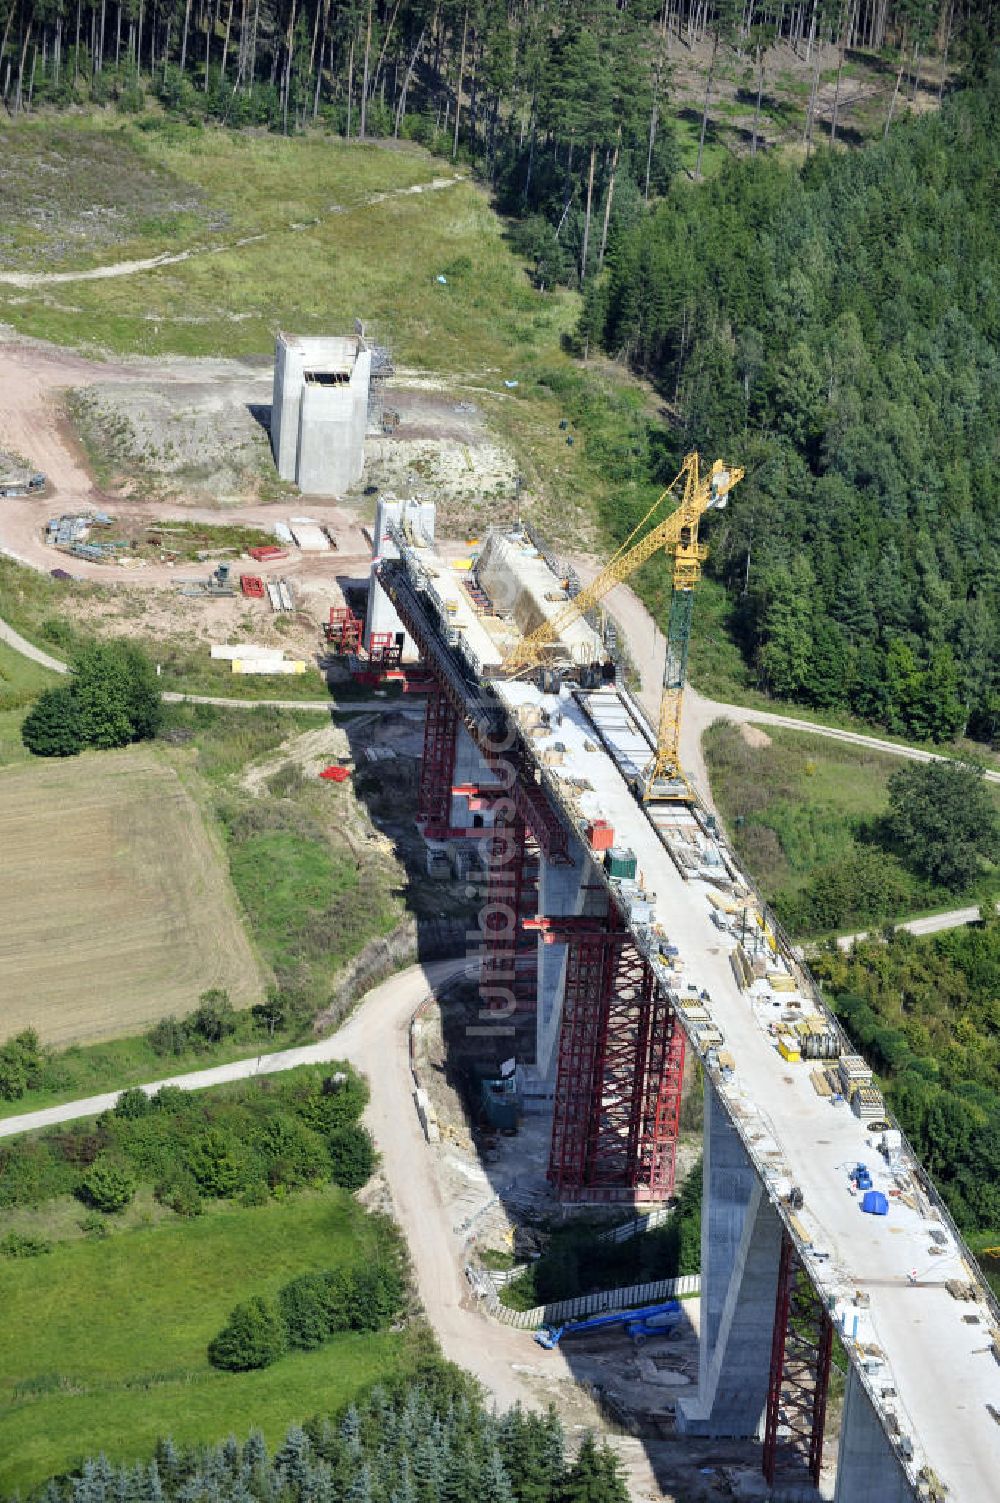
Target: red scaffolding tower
x,y
508,982
620,1069
437,767
800,1374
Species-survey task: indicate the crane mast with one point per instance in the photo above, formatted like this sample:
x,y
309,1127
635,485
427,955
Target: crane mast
x,y
677,535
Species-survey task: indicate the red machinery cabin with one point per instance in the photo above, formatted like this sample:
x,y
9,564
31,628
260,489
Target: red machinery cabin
x,y
343,630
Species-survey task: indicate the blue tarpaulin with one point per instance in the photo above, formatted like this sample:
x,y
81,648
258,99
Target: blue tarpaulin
x,y
875,1203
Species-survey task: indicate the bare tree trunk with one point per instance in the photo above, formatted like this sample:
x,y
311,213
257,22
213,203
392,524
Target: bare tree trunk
x,y
755,135
225,42
76,48
322,48
208,42
364,85
287,81
350,87
586,222
184,36
458,89
6,34
118,38
253,44
401,108
895,92
609,200
947,44
377,76
20,67
704,113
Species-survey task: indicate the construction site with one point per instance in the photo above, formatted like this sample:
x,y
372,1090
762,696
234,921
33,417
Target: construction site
x,y
618,934
621,957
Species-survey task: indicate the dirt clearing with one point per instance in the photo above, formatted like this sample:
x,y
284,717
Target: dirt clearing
x,y
117,906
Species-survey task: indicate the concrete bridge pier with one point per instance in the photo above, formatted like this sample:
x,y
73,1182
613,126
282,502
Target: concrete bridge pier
x,y
740,1252
868,1469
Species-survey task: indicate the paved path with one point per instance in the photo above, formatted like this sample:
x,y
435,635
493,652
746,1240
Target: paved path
x,y
934,923
28,650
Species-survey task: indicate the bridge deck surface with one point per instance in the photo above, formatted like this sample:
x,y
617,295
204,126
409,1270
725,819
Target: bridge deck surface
x,y
940,1365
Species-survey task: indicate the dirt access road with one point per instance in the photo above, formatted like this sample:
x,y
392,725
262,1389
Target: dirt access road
x,y
33,377
375,1039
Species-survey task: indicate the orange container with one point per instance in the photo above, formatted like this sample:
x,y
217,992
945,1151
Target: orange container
x,y
601,834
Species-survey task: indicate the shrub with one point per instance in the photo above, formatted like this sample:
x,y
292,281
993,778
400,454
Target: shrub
x,y
180,1193
18,1245
352,1156
168,1036
111,699
217,1164
339,1100
311,1310
293,1154
132,1103
213,1019
255,1337
375,1297
53,728
107,1186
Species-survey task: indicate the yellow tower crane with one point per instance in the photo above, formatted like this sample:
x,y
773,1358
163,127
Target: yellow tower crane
x,y
677,535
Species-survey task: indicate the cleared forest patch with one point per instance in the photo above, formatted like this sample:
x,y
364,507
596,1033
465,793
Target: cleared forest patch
x,y
117,906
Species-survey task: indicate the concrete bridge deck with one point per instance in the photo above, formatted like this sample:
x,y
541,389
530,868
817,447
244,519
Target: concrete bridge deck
x,y
925,1382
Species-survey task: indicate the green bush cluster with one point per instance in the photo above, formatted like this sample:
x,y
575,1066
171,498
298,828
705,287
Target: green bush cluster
x,y
248,1141
22,1060
112,698
926,1012
308,1311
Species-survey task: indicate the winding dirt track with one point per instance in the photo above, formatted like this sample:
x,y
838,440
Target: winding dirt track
x,y
172,258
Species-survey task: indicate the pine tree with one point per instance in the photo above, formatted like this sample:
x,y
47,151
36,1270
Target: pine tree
x,y
596,1476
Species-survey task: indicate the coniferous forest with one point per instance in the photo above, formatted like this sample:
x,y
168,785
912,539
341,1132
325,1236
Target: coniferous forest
x,y
835,327
826,316
429,1441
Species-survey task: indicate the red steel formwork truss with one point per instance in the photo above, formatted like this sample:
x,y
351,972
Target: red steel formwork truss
x,y
800,1373
619,1073
437,768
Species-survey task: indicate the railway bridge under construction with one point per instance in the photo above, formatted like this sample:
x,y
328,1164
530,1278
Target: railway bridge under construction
x,y
618,930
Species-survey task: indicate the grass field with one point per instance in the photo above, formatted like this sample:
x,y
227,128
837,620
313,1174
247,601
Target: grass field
x,y
117,906
797,805
103,1342
336,236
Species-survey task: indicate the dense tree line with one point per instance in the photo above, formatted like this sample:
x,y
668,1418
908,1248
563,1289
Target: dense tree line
x,y
244,1143
927,1014
423,1441
564,107
834,328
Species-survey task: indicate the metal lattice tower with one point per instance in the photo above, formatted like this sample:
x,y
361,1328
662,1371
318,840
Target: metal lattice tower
x,y
620,1070
437,766
800,1374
